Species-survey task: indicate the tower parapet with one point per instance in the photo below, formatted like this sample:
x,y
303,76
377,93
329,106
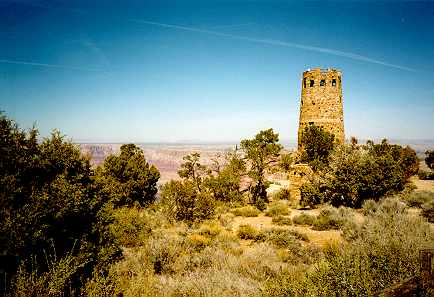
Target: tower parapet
x,y
321,102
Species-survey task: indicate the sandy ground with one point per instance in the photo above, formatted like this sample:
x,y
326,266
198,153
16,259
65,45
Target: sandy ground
x,y
423,185
319,238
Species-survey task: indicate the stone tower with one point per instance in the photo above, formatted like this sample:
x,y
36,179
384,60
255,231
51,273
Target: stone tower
x,y
321,102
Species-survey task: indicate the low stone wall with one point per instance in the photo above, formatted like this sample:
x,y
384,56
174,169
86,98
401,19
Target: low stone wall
x,y
297,177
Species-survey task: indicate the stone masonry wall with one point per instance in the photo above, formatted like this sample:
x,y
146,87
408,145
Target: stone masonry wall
x,y
321,102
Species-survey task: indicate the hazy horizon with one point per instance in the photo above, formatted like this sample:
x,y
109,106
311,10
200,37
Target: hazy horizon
x,y
213,71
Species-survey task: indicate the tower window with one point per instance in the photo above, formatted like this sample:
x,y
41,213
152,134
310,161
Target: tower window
x,y
304,82
334,82
311,123
322,83
312,82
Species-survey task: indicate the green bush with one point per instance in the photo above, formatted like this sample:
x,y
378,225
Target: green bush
x,y
304,219
49,199
317,145
182,201
132,226
312,192
248,232
358,173
246,211
332,218
127,178
281,220
277,208
282,194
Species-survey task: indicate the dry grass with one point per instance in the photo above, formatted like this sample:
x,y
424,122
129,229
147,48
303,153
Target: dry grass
x,y
423,185
237,255
277,208
246,211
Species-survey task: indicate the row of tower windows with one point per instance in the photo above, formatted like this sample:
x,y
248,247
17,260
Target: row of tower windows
x,y
322,82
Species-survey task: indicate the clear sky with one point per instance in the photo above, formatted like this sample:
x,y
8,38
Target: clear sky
x,y
150,71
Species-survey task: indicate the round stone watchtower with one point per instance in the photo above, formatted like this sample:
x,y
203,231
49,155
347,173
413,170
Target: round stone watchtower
x,y
321,102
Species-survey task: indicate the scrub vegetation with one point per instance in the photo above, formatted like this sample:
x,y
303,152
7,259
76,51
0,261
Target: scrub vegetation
x,y
68,229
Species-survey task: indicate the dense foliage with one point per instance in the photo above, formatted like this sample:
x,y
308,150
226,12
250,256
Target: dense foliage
x,y
285,162
429,159
316,146
194,198
127,178
182,201
260,151
358,173
50,209
224,180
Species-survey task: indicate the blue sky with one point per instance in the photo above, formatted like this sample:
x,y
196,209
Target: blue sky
x,y
151,71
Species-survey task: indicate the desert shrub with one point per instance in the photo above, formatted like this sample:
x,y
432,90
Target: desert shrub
x,y
56,281
246,211
248,232
198,241
425,174
49,198
102,285
282,194
133,225
281,237
369,207
304,219
210,229
228,242
298,253
127,178
332,218
384,251
277,208
312,192
358,173
418,198
391,206
226,219
281,220
163,251
182,201
428,211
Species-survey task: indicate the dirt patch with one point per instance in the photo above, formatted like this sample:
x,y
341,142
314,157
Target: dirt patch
x,y
423,185
320,238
